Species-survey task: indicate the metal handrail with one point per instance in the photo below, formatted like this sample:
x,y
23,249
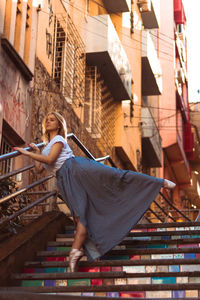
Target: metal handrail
x,y
69,135
164,211
48,195
88,154
15,172
174,207
22,190
155,214
16,153
21,211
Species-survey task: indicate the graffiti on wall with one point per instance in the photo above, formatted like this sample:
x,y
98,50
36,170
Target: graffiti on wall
x,y
14,98
48,44
49,40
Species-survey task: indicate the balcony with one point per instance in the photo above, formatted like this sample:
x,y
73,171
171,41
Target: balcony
x,y
180,76
178,161
151,140
151,69
105,51
150,13
189,141
181,103
119,6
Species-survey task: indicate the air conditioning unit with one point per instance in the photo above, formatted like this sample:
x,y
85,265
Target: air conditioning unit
x,y
144,5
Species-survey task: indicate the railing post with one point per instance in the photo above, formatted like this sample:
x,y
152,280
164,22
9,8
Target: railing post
x,y
51,201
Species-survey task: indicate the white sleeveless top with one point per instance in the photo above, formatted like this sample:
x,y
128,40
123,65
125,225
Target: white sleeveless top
x,y
65,153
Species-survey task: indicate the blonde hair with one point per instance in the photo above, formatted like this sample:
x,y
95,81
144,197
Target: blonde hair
x,y
62,123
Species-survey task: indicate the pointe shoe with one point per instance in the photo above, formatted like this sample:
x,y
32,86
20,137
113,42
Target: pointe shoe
x,y
169,184
74,256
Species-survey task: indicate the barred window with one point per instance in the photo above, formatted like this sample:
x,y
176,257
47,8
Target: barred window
x,y
69,61
6,165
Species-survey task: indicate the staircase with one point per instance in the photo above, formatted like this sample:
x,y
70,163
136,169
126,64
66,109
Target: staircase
x,y
155,261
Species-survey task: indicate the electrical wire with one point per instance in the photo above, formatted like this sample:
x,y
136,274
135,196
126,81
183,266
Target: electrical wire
x,y
120,16
137,105
128,46
83,12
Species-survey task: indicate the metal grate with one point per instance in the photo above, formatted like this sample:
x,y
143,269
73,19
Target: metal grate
x,y
109,117
6,165
92,105
69,61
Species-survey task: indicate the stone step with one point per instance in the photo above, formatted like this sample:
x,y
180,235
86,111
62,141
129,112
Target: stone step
x,y
183,225
167,225
167,288
75,275
131,242
127,252
193,276
183,233
188,263
8,295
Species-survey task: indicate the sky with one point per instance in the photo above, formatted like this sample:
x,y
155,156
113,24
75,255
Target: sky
x,y
192,9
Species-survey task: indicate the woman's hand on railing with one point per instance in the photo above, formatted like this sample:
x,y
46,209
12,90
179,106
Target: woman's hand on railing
x,y
21,150
38,166
34,148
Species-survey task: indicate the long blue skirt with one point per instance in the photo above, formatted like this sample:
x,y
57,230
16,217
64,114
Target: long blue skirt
x,y
107,201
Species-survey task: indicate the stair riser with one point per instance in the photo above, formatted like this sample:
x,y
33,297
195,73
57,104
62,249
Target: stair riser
x,y
130,242
180,255
145,290
149,235
159,226
173,245
129,269
110,281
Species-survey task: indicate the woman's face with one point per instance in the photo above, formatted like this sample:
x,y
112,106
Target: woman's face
x,y
52,123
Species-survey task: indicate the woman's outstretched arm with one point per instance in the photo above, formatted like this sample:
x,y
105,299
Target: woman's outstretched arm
x,y
50,159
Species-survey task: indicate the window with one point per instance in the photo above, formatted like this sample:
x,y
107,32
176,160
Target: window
x,y
69,61
92,105
9,139
6,165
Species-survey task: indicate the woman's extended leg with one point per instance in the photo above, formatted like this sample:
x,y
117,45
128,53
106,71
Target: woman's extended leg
x,y
76,253
80,236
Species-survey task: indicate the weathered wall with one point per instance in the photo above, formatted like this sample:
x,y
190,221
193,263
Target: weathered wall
x,y
14,97
46,98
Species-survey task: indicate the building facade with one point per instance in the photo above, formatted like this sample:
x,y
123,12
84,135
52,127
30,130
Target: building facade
x,y
116,70
18,30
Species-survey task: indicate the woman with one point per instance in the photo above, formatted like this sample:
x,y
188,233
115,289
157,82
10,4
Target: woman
x,y
105,202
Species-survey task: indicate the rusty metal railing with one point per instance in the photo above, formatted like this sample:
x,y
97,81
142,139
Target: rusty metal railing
x,y
47,194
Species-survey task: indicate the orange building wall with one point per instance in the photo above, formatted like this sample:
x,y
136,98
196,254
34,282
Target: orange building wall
x,y
167,101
